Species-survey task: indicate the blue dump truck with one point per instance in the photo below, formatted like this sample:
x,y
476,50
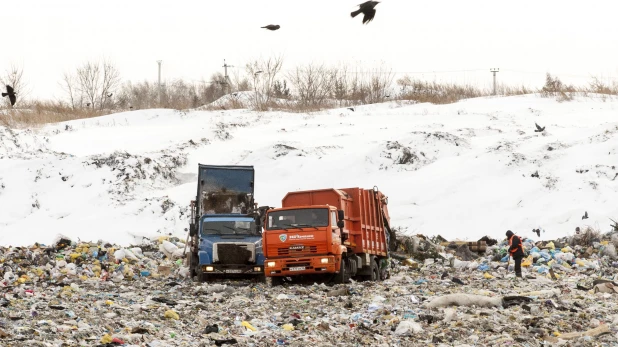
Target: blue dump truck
x,y
226,227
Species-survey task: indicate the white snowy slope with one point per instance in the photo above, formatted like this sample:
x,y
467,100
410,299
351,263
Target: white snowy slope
x,y
462,170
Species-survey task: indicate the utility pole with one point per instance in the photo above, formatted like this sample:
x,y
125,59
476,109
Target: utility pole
x,y
227,78
159,89
494,70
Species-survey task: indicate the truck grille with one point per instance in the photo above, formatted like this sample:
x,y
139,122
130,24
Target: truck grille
x,y
306,263
233,254
292,250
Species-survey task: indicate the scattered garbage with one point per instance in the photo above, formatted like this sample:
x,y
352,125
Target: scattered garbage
x,y
439,293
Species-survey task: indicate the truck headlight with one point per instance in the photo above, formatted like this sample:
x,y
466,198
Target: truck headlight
x,y
210,268
324,260
271,264
257,268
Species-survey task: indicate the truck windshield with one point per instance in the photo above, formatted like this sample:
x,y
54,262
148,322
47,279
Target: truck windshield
x,y
228,228
301,218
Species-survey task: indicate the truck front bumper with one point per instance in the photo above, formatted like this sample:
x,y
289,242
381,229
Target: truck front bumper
x,y
226,269
299,266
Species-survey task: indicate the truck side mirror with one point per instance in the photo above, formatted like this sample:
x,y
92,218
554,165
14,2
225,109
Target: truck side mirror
x,y
192,230
340,215
340,224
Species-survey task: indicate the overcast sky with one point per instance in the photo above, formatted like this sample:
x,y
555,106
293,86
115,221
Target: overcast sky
x,y
523,38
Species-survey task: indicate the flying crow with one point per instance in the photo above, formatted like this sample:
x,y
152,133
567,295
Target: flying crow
x,y
272,27
538,128
367,9
585,216
11,94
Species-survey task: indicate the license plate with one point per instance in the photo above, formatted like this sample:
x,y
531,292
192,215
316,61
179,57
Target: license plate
x,y
233,271
297,268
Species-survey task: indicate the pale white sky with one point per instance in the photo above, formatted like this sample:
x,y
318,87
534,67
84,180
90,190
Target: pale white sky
x,y
568,38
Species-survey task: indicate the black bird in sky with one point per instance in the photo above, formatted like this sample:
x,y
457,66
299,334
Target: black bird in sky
x,y
272,27
538,128
367,9
11,94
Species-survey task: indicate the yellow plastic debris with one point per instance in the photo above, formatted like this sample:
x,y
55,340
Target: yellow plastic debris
x,y
555,274
171,314
109,302
580,262
75,255
605,243
550,245
106,339
487,276
528,261
83,277
556,334
288,327
248,325
411,263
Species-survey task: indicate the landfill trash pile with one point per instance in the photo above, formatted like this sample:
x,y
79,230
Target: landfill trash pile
x,y
75,293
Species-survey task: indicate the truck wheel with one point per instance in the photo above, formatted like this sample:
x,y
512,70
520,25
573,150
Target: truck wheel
x,y
375,271
276,281
202,277
193,264
343,276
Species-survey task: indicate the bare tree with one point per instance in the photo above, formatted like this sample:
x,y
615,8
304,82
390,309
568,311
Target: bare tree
x,y
14,77
69,85
93,83
264,73
314,84
109,83
380,83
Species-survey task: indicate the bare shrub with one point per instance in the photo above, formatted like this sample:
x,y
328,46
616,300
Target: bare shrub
x,y
313,85
264,73
281,90
599,87
379,84
46,112
555,88
436,93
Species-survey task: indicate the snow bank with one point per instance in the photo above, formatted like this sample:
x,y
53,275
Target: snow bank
x,y
463,170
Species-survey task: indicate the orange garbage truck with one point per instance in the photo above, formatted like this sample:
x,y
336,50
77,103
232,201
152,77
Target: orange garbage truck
x,y
332,234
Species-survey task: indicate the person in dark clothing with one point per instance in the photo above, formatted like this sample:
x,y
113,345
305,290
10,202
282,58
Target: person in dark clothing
x,y
516,251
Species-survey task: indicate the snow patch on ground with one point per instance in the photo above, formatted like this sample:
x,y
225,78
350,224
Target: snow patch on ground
x,y
461,170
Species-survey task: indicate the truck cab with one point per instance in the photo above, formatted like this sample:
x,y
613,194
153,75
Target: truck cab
x,y
294,234
226,228
330,234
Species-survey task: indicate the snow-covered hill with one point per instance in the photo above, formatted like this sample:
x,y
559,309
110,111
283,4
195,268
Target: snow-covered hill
x,y
462,170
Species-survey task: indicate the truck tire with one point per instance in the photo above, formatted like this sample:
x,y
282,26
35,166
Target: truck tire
x,y
375,271
202,277
193,264
276,281
344,274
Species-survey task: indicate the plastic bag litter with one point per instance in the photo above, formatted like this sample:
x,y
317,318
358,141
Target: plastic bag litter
x,y
461,299
408,326
610,251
